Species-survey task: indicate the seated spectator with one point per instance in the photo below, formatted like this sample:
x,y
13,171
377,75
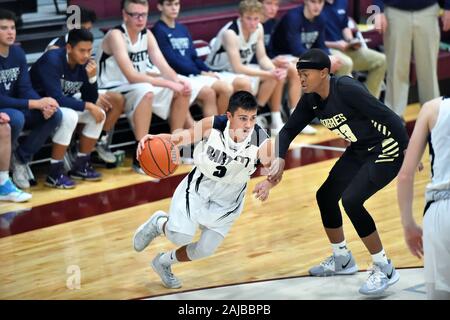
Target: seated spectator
x,y
270,11
233,50
177,46
114,99
69,76
23,106
301,29
339,38
126,58
8,191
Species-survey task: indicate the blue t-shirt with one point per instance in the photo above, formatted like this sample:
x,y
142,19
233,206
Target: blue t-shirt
x,y
336,19
178,48
409,4
15,84
295,34
52,76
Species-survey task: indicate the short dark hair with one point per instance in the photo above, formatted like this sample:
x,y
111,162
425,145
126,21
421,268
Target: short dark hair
x,y
87,15
242,99
78,35
7,15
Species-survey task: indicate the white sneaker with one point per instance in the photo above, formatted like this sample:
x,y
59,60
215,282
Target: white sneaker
x,y
20,174
147,231
381,276
165,273
309,130
9,192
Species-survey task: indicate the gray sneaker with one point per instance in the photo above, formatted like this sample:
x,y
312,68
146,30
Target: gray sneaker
x,y
147,232
165,273
380,278
104,153
20,174
335,265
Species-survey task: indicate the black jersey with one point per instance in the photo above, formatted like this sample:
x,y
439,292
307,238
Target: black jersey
x,y
354,114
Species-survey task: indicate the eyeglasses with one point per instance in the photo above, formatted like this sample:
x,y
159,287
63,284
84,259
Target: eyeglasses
x,y
137,16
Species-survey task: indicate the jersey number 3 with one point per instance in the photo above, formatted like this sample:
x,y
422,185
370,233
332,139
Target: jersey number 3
x,y
221,171
346,133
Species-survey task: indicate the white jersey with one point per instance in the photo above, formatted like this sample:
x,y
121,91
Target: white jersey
x,y
218,58
220,159
439,187
110,75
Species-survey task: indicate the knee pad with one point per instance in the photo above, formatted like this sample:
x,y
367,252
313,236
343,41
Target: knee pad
x,y
64,133
180,239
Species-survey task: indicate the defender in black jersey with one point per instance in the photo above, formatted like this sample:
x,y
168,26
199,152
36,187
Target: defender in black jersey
x,y
377,143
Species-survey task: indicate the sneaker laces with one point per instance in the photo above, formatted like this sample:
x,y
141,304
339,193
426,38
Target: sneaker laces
x,y
375,275
328,263
168,271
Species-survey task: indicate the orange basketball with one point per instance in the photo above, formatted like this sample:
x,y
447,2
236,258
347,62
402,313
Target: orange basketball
x,y
159,158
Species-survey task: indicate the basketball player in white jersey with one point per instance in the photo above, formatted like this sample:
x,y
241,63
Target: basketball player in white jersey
x,y
433,124
212,195
124,66
233,50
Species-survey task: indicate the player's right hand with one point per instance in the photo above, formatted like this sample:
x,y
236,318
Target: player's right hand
x,y
413,238
276,170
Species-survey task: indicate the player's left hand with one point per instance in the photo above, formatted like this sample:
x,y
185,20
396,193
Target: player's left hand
x,y
187,88
262,190
103,102
413,238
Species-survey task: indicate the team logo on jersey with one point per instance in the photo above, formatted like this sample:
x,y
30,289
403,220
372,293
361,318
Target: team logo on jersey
x,y
71,88
8,76
222,158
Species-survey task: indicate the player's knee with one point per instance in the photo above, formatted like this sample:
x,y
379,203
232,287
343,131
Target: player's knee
x,y
200,250
224,88
56,118
177,238
208,94
351,202
148,97
323,195
67,126
242,83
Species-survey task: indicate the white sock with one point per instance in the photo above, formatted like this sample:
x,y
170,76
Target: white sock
x,y
276,118
160,223
4,176
169,257
340,249
380,257
52,161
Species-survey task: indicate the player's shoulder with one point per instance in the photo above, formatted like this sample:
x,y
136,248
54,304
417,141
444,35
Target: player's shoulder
x,y
345,82
220,122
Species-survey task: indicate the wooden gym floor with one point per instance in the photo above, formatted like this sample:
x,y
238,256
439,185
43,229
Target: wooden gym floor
x,y
90,229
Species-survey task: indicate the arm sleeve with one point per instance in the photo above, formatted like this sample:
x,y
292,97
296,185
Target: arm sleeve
x,y
292,27
169,53
301,116
89,91
51,82
25,89
10,102
447,5
370,106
